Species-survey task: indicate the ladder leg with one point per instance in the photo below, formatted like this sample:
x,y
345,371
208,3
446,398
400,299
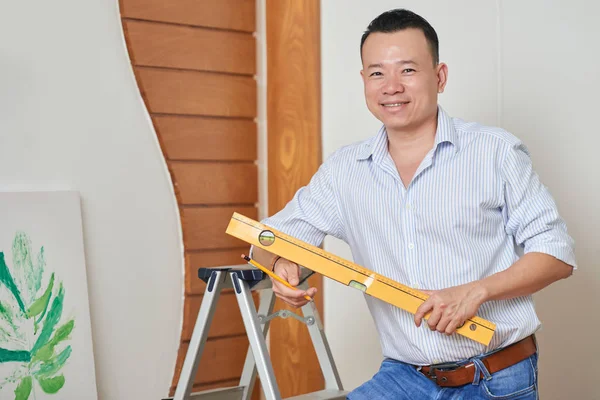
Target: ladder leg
x,y
317,334
267,301
194,353
256,339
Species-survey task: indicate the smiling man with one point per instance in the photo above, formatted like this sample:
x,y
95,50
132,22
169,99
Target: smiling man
x,y
441,205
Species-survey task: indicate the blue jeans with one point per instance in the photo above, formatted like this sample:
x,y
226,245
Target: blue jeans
x,y
399,381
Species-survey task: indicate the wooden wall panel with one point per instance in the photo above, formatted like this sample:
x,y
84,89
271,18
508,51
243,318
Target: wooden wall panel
x,y
222,359
209,386
227,383
198,86
216,183
186,47
225,14
197,93
194,62
227,319
204,227
198,138
294,141
208,259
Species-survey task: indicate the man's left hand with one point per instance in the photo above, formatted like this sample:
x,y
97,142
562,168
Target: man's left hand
x,y
451,307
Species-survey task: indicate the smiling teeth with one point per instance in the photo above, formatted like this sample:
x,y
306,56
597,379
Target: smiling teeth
x,y
393,105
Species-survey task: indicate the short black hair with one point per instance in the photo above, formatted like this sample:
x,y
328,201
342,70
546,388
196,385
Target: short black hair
x,y
400,19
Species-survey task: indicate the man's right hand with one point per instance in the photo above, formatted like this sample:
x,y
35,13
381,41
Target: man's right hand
x,y
290,272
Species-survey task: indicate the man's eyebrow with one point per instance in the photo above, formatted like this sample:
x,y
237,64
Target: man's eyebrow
x,y
401,62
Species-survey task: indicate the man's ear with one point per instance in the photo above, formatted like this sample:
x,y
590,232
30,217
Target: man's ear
x,y
442,74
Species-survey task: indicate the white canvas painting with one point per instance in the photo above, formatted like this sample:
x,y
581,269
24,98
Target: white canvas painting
x,y
45,333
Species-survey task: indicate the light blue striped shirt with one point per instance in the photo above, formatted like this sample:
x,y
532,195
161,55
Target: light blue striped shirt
x,y
473,200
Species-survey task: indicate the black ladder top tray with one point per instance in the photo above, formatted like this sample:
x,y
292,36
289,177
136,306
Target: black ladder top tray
x,y
252,276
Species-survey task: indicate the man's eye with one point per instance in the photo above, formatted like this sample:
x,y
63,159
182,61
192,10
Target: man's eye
x,y
408,70
376,74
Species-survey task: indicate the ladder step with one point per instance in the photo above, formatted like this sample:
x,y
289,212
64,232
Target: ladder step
x,y
229,393
327,394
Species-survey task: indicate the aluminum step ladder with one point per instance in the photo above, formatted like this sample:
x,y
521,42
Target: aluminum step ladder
x,y
244,279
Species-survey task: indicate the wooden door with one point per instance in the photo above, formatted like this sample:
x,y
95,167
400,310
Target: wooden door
x,y
294,142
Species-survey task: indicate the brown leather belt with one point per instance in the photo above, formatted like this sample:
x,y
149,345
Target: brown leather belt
x,y
495,362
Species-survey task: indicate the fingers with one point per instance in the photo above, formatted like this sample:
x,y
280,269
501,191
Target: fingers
x,y
293,297
437,321
448,308
441,318
453,326
434,319
442,323
423,309
290,272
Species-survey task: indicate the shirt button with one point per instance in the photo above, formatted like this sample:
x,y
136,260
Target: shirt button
x,y
408,206
416,286
411,246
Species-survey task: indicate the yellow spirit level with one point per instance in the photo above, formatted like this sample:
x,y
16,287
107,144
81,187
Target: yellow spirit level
x,y
345,272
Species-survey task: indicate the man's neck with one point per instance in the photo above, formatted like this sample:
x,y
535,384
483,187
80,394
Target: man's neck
x,y
415,140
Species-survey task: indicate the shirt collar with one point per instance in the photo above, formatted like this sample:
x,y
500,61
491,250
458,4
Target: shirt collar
x,y
377,147
445,133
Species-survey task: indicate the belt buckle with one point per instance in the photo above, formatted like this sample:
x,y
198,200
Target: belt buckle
x,y
448,366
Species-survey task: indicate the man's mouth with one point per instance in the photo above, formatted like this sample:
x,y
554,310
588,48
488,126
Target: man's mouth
x,y
391,105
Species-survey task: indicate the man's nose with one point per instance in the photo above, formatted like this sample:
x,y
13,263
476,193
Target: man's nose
x,y
393,85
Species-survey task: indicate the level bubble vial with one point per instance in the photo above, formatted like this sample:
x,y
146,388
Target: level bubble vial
x,y
358,285
266,238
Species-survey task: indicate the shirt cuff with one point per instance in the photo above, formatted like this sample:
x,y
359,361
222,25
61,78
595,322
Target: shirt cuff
x,y
562,252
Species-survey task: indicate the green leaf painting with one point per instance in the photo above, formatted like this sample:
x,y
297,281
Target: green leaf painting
x,y
34,333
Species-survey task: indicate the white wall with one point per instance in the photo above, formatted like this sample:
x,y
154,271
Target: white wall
x,y
71,117
550,99
527,66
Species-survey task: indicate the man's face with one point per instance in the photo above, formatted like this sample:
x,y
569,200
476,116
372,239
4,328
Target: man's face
x,y
401,82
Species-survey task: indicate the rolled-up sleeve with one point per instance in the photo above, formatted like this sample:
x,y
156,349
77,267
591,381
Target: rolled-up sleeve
x,y
313,212
531,214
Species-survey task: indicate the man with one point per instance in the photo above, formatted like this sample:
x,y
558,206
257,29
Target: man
x,y
441,205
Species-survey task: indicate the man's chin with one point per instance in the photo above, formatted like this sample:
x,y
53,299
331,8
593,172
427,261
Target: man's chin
x,y
396,125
